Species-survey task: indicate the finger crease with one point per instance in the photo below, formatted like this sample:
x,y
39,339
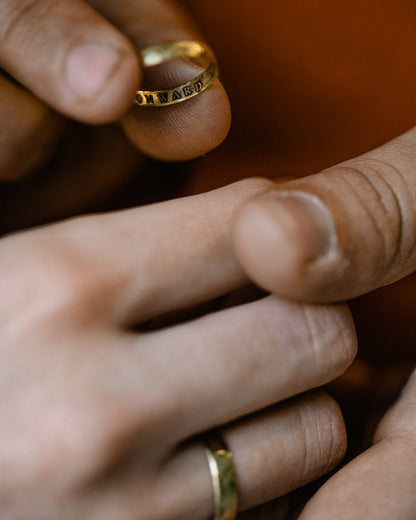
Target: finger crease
x,y
397,252
365,207
16,16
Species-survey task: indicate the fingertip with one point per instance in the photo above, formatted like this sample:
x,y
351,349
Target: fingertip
x,y
280,239
101,79
184,131
262,248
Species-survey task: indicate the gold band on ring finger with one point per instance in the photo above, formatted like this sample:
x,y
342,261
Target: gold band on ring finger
x,y
223,476
157,54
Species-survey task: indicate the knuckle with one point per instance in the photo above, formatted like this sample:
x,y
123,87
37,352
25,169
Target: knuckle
x,y
105,446
324,436
89,444
48,273
251,186
52,278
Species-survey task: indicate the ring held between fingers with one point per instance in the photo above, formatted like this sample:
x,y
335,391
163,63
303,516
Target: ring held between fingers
x,y
159,54
176,133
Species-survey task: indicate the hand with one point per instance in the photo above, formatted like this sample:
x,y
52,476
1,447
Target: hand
x,y
330,237
80,60
98,414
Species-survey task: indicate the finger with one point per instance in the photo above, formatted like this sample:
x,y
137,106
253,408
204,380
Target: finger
x,y
69,56
186,131
379,484
231,363
274,453
29,137
337,234
136,264
178,132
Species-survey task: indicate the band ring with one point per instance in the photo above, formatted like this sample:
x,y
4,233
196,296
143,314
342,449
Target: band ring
x,y
157,54
221,466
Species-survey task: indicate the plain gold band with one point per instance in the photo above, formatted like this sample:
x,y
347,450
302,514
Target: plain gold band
x,y
157,54
223,476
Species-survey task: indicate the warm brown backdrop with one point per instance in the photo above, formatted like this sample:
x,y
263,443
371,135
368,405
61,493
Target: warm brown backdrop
x,y
311,83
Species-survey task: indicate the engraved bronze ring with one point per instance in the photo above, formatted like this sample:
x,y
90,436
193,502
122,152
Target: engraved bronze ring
x,y
157,54
221,466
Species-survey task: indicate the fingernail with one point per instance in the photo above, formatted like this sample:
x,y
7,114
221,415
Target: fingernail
x,y
88,67
305,221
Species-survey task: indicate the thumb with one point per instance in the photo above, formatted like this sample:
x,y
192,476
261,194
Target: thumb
x,y
337,234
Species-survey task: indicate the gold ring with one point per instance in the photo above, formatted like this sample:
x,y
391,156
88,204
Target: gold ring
x,y
221,466
157,54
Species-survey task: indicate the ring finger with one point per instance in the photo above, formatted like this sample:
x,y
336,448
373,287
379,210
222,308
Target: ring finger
x,y
274,452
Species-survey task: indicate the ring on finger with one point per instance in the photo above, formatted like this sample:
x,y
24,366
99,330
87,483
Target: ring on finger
x,y
221,466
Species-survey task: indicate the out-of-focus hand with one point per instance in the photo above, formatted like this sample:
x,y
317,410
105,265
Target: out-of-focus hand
x,y
77,60
98,414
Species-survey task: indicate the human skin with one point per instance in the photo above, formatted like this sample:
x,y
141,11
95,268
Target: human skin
x,y
40,146
324,83
105,414
86,67
100,412
312,144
